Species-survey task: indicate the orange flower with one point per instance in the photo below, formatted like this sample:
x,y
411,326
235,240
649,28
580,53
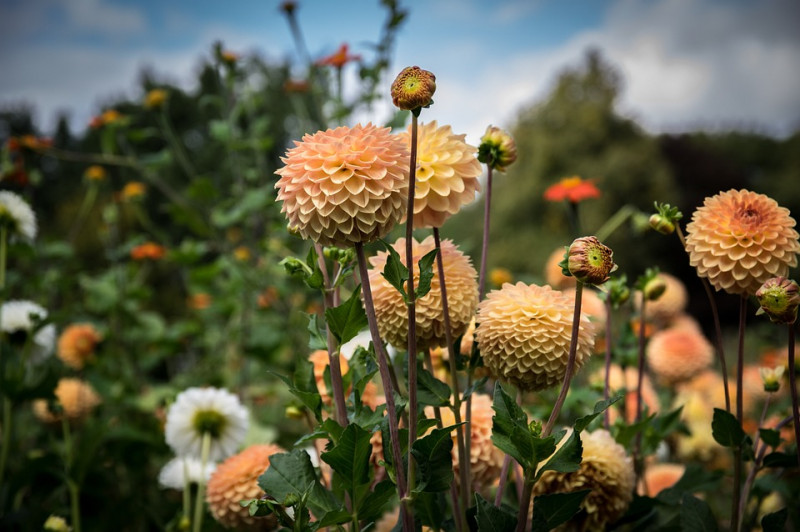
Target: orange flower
x,y
35,143
573,189
500,276
320,360
339,58
111,116
345,186
739,239
155,98
76,344
676,355
95,173
199,301
76,398
267,297
133,190
229,57
148,250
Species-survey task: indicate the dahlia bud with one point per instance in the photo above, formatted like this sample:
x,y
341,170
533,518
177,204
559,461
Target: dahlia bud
x,y
294,412
497,149
779,299
617,290
590,261
771,377
413,89
662,224
654,288
56,523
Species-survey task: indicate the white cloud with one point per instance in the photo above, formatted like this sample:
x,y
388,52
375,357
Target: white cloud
x,y
102,17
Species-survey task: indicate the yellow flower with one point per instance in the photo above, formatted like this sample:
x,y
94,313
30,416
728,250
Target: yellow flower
x,y
155,98
133,190
676,355
111,116
500,276
77,343
739,239
75,397
524,333
56,523
344,186
95,173
605,469
462,296
236,479
447,174
242,253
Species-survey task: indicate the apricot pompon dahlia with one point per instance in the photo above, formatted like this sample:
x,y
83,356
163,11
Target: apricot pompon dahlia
x,y
344,186
447,174
524,334
77,343
676,355
739,239
462,296
76,398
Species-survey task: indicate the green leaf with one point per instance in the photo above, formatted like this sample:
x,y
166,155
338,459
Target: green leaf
x,y
696,515
428,509
425,273
348,319
778,459
726,429
553,509
771,437
599,408
626,433
510,432
567,458
776,521
334,517
376,502
477,385
430,390
434,459
315,340
291,474
395,271
492,519
304,386
349,458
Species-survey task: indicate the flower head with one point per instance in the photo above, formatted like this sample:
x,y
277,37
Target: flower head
x,y
320,360
177,471
524,334
658,477
199,301
739,239
590,261
95,173
340,57
670,304
554,274
573,189
236,479
447,174
197,411
17,216
392,312
497,149
155,98
148,251
605,469
75,398
18,321
500,276
771,377
679,354
133,190
77,343
413,88
343,186
779,298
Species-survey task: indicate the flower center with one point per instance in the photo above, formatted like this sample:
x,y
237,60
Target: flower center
x,y
210,421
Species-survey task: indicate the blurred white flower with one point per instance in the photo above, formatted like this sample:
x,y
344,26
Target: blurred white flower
x,y
173,474
19,316
199,410
17,215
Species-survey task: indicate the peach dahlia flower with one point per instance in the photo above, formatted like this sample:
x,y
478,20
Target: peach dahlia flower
x,y
77,343
738,239
524,334
676,355
76,398
462,296
344,186
447,174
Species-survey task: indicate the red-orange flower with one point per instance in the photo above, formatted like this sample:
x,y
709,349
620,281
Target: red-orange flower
x,y
573,189
340,57
148,250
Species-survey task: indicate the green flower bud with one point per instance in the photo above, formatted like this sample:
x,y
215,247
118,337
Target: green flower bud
x,y
779,298
662,224
654,289
497,149
590,261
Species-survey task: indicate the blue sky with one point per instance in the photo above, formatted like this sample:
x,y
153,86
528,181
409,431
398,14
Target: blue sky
x,y
686,63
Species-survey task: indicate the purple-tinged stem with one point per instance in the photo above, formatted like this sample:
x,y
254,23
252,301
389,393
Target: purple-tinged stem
x,y
524,504
759,452
412,308
737,451
637,459
388,389
793,388
607,413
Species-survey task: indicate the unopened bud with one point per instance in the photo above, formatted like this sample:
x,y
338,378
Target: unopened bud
x,y
294,412
779,298
654,288
590,261
771,377
497,149
662,224
413,89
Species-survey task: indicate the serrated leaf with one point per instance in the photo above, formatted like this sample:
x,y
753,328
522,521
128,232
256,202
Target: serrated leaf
x,y
315,339
567,458
477,385
348,319
599,407
726,429
349,457
510,431
696,515
553,509
377,501
292,474
428,509
395,272
303,386
434,459
425,273
430,390
492,519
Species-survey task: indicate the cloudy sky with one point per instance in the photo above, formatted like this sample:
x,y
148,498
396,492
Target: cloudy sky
x,y
687,64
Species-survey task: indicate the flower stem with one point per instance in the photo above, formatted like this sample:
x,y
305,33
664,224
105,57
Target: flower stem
x,y
637,459
199,503
177,146
3,259
525,501
72,486
412,308
187,491
6,437
573,349
487,201
759,452
464,461
386,380
793,388
737,451
607,413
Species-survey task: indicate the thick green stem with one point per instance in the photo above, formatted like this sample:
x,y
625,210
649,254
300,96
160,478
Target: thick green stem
x,y
199,503
525,502
613,223
187,491
412,309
